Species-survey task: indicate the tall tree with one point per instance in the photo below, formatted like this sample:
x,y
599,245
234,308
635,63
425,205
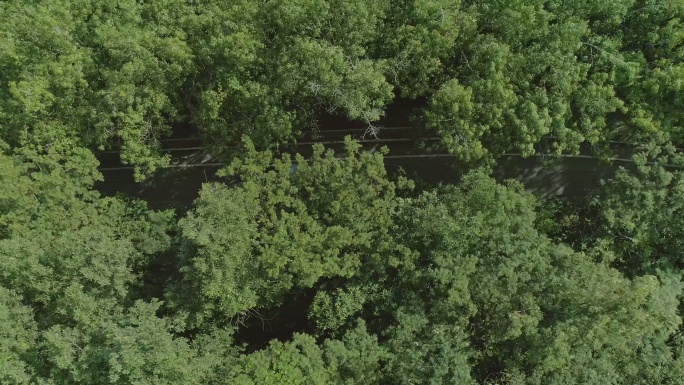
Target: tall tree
x,y
285,225
491,295
269,69
18,335
546,77
75,260
90,73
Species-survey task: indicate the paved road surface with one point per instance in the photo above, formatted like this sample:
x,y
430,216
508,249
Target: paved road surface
x,y
192,166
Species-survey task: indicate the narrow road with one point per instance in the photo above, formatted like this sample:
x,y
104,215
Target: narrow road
x,y
191,165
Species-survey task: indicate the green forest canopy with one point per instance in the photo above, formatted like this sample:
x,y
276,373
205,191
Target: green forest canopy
x,y
362,276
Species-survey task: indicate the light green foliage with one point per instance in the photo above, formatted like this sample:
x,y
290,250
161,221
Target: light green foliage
x,y
35,184
452,106
520,65
284,226
352,360
535,76
94,73
652,83
219,239
331,310
89,72
607,330
483,297
417,40
60,241
356,358
425,351
546,76
299,362
131,346
18,335
272,67
472,283
217,356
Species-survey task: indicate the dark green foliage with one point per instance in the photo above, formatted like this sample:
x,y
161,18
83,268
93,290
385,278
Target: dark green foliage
x,y
75,259
532,311
641,216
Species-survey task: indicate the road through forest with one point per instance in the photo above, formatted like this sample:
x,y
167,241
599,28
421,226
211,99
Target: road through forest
x,y
418,154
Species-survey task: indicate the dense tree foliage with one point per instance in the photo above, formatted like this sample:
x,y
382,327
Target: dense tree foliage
x,y
285,225
535,311
326,268
548,76
92,72
535,76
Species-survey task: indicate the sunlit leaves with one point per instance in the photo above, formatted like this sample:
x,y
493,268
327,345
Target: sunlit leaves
x,y
285,225
91,76
18,335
